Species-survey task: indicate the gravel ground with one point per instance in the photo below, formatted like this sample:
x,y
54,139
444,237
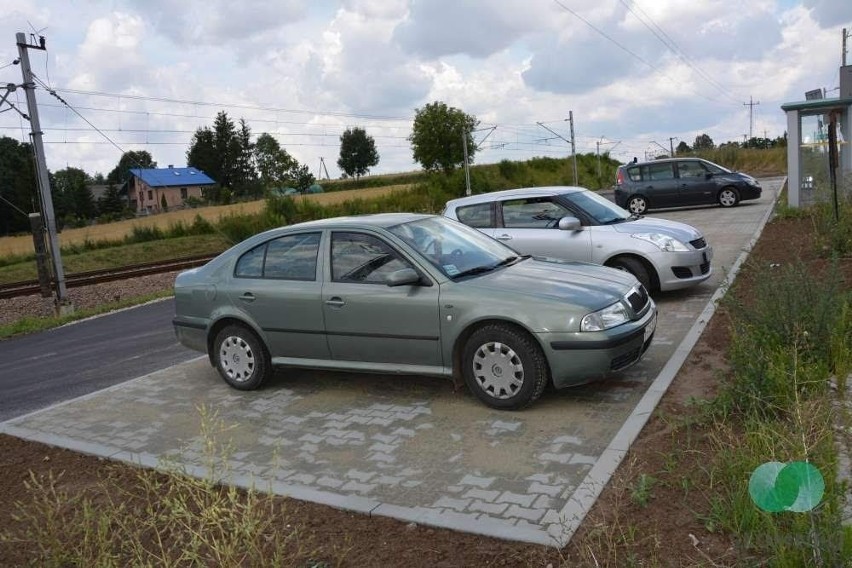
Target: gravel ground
x,y
13,309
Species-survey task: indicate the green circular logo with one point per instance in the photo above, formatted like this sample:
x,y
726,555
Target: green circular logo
x,y
795,486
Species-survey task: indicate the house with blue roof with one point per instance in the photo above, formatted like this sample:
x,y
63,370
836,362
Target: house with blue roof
x,y
148,189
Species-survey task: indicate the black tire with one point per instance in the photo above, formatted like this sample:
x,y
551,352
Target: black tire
x,y
728,197
634,267
637,204
518,369
241,358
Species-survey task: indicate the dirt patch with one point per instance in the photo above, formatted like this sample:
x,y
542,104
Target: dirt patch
x,y
647,515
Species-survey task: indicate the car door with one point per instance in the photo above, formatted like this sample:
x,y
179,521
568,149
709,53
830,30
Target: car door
x,y
277,285
367,320
530,226
660,185
695,185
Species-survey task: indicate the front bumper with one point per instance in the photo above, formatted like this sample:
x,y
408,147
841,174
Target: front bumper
x,y
579,358
678,270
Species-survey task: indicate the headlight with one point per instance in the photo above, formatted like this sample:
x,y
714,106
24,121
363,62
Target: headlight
x,y
664,242
606,318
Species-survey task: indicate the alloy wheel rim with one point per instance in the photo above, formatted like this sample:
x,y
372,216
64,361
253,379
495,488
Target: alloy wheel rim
x,y
637,206
236,358
498,370
727,198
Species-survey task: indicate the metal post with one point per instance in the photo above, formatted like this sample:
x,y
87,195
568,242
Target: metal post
x,y
37,228
62,303
573,146
466,165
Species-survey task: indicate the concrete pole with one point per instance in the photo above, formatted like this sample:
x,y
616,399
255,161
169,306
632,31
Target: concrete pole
x,y
466,165
573,146
63,305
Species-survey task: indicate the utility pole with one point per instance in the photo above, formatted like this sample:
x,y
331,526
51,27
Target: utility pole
x,y
573,146
845,35
62,304
466,165
751,104
671,144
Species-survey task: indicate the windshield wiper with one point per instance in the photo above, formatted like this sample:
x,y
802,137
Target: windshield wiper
x,y
483,269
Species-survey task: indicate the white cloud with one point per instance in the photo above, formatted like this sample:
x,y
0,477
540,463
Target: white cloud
x,y
305,70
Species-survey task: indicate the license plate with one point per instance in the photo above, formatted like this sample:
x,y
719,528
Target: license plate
x,y
649,329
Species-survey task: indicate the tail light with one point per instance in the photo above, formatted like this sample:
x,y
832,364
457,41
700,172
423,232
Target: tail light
x,y
619,177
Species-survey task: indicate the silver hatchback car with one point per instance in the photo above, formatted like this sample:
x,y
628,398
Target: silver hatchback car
x,y
573,223
411,294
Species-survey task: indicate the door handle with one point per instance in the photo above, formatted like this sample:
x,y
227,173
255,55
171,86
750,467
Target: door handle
x,y
248,297
335,301
505,238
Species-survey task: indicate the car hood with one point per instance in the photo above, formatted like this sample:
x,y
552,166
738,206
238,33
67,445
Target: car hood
x,y
674,229
580,283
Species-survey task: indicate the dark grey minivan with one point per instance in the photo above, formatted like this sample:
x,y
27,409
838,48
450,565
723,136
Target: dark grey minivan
x,y
676,182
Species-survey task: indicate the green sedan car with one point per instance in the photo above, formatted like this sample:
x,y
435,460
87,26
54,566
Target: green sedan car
x,y
411,294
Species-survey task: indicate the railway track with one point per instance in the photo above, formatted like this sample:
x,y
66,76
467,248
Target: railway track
x,y
28,287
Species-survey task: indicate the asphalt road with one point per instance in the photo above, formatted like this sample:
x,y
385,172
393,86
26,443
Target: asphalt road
x,y
45,368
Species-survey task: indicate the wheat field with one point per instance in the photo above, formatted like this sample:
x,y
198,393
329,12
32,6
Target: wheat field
x,y
23,245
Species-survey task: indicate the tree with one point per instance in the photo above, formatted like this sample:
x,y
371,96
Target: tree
x,y
72,196
110,203
436,137
703,142
682,148
274,164
18,188
302,177
128,161
357,152
245,174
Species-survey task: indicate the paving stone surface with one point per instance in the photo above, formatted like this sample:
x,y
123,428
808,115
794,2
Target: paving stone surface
x,y
405,447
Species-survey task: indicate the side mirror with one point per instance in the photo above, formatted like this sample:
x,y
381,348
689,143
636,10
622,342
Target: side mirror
x,y
403,277
569,223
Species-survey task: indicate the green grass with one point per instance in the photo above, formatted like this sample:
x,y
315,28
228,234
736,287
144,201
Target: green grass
x,y
118,256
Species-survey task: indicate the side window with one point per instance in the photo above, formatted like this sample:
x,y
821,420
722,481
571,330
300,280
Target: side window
x,y
250,265
690,170
293,257
635,174
660,171
476,216
532,213
362,258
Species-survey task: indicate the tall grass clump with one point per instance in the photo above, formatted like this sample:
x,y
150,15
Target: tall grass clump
x,y
834,225
165,518
792,323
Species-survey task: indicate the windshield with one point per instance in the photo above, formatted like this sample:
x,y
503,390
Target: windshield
x,y
454,249
602,210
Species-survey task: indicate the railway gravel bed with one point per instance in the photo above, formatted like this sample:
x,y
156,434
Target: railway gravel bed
x,y
14,309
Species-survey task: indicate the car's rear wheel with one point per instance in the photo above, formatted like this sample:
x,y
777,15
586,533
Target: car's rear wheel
x,y
504,367
240,357
634,267
728,197
637,205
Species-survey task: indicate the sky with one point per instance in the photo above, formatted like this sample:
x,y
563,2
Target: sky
x,y
637,76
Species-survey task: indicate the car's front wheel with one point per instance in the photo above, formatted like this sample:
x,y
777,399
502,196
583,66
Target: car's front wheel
x,y
240,357
634,267
728,197
637,205
504,367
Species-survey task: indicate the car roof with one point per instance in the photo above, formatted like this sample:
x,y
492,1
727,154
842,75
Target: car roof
x,y
519,192
663,160
382,220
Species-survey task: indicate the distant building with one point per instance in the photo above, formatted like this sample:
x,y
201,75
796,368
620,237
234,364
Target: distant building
x,y
146,188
